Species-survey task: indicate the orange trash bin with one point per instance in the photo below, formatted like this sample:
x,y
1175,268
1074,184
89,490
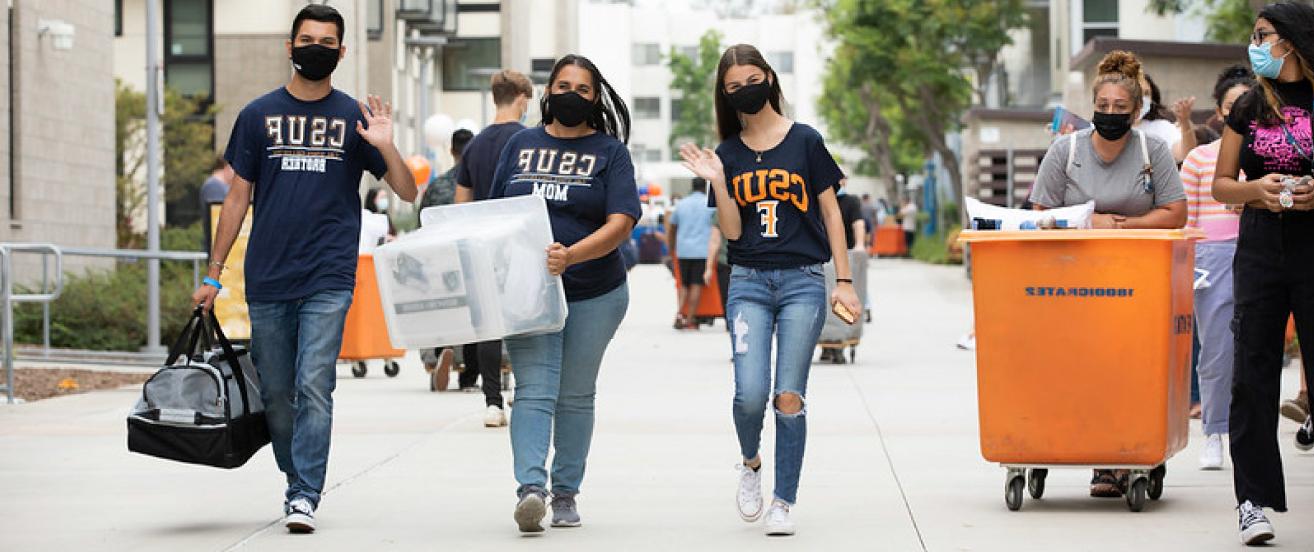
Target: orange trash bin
x,y
709,304
365,333
890,241
1083,352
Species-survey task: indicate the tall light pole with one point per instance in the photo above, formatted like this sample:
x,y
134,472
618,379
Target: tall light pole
x,y
427,49
152,181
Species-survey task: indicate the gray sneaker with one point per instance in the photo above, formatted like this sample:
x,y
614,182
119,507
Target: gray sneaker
x,y
564,512
530,511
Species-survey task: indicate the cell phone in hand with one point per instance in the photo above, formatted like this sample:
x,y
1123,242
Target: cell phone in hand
x,y
843,312
1063,118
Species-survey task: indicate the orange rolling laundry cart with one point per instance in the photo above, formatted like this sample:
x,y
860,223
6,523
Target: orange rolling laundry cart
x,y
890,241
365,334
1083,353
709,304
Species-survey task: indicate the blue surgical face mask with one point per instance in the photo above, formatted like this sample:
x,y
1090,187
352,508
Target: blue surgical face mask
x,y
1263,62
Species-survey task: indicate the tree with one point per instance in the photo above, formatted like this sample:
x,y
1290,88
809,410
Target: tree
x,y
905,62
1228,21
695,80
188,153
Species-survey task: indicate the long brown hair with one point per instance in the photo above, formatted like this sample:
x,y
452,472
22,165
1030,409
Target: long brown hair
x,y
728,123
1292,23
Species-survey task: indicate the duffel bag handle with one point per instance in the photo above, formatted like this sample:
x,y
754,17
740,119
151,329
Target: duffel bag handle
x,y
188,338
212,327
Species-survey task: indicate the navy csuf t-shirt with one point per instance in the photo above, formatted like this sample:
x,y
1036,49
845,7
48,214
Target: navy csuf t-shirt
x,y
778,199
584,180
304,161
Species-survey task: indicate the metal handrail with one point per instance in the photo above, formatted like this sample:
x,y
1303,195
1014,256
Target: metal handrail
x,y
7,251
9,298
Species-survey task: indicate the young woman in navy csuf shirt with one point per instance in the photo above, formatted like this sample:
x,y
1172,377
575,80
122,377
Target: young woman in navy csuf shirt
x,y
774,186
578,163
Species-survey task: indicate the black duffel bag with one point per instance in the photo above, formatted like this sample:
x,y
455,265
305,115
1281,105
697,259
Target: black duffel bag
x,y
204,406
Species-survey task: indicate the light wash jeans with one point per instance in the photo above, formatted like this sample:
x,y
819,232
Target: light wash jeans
x,y
1214,309
295,346
556,379
788,304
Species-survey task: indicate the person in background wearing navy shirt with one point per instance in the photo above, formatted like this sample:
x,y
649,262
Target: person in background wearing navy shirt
x,y
774,186
474,178
298,153
576,161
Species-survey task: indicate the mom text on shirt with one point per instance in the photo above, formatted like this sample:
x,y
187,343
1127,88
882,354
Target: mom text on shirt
x,y
553,173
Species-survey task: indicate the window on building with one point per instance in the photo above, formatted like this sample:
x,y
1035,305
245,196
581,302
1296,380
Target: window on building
x,y
690,52
1099,18
540,69
647,53
189,47
647,108
118,17
653,155
677,107
782,62
374,19
461,57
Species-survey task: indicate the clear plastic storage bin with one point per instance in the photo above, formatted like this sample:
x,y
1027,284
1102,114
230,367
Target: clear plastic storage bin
x,y
474,272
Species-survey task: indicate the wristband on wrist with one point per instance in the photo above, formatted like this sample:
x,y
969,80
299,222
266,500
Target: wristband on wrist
x,y
208,281
844,280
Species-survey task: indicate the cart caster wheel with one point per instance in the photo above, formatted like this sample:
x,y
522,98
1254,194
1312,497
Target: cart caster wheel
x,y
359,369
1155,490
392,369
1036,482
1013,492
1136,495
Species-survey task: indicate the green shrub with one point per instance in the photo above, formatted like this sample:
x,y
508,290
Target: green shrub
x,y
104,310
933,249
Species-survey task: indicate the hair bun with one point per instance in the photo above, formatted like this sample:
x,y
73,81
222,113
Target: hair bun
x,y
1121,62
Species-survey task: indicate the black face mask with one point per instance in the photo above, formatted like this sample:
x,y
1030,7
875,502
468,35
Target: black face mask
x,y
1112,126
750,99
570,108
315,61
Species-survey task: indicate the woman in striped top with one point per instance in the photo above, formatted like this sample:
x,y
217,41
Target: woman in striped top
x,y
1214,303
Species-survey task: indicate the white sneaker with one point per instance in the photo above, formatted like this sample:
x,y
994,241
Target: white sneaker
x,y
494,417
1255,528
1212,456
300,516
778,523
750,493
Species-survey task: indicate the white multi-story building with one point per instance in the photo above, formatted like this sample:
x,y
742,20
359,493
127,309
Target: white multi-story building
x,y
1053,61
631,44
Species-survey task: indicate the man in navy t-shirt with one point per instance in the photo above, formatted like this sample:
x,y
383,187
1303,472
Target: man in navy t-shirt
x,y
298,154
474,178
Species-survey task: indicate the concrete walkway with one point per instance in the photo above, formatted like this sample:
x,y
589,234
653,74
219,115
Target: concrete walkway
x,y
892,463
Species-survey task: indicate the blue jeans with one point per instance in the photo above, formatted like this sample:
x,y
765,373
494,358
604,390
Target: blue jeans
x,y
556,379
295,346
790,304
1215,307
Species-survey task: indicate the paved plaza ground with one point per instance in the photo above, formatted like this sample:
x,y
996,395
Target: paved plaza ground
x,y
893,461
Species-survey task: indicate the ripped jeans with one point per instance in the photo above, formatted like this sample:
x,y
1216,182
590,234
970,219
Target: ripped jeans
x,y
789,304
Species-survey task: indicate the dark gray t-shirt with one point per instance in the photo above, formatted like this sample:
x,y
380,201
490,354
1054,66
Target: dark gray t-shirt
x,y
1118,187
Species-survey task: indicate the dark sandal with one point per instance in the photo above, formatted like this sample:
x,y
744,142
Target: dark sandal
x,y
1105,484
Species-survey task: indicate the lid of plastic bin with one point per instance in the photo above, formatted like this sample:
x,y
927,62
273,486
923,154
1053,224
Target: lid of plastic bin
x,y
981,236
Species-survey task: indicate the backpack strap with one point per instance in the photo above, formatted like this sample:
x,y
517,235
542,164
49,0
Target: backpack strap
x,y
1072,154
1145,150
